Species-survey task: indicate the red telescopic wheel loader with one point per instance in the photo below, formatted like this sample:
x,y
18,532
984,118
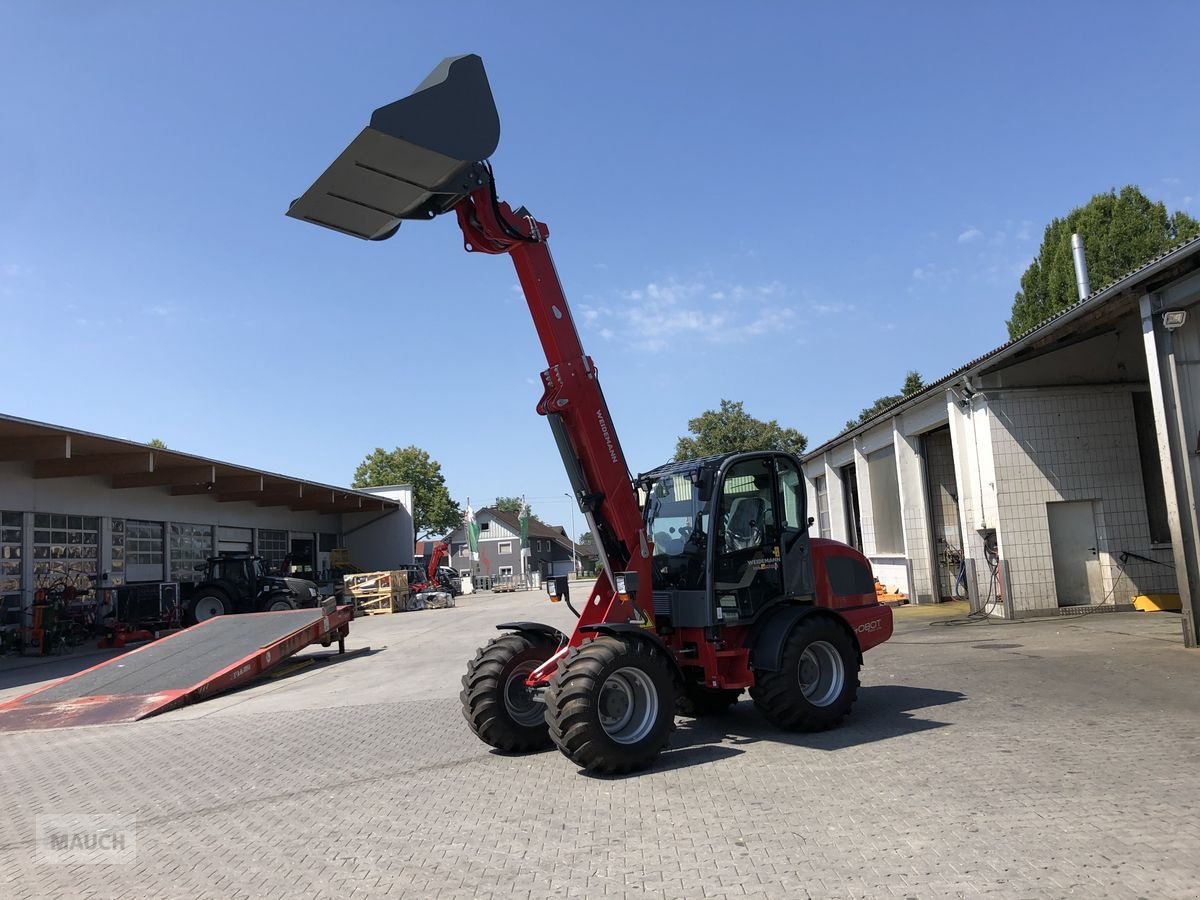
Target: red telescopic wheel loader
x,y
711,584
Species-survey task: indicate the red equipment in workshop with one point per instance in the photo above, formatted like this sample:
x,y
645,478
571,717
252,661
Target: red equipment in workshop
x,y
713,587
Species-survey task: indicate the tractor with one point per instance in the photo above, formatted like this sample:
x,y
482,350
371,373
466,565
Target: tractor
x,y
709,587
239,583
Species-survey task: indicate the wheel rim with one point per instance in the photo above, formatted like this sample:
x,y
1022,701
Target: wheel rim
x,y
518,699
628,705
821,673
209,608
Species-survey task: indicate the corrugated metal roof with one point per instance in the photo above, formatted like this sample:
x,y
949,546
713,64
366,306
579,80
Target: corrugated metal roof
x,y
1095,299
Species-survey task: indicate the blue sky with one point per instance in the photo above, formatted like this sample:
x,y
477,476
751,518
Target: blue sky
x,y
781,203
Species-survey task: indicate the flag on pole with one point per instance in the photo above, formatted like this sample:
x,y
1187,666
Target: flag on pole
x,y
524,535
472,528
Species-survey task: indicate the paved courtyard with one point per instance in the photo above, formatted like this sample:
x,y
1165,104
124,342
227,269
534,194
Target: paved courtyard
x,y
1049,759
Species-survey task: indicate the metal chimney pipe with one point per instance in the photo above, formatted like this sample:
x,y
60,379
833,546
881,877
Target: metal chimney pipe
x,y
1081,273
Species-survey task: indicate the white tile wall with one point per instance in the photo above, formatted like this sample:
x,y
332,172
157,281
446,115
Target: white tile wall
x,y
1071,445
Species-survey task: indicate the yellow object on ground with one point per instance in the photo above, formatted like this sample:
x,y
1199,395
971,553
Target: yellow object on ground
x,y
1157,603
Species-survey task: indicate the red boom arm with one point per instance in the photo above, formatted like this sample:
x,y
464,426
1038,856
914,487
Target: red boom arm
x,y
573,403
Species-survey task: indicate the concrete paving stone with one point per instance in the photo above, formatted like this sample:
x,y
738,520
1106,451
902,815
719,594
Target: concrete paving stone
x,y
1063,767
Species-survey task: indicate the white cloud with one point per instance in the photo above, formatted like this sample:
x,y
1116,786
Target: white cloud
x,y
1171,180
1026,232
931,274
162,312
971,234
829,308
1188,200
658,314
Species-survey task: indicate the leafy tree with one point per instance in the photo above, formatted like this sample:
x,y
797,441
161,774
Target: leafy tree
x,y
509,505
1120,232
585,537
156,444
912,384
731,429
433,510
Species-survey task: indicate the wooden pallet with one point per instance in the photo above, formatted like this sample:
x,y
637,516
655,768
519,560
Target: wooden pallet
x,y
377,593
381,605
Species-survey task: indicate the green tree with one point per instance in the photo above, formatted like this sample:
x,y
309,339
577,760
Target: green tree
x,y
1121,231
585,537
433,510
156,444
731,429
509,505
912,384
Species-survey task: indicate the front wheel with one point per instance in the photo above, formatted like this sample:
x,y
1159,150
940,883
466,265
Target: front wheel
x,y
279,604
817,681
611,704
497,705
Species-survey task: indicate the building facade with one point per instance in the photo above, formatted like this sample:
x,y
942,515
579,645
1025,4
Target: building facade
x,y
86,510
550,550
1054,475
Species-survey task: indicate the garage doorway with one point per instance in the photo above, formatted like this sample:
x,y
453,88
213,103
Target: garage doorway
x,y
303,557
849,476
1077,578
941,482
234,540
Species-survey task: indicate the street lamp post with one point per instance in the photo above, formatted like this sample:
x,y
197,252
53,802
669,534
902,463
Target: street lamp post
x,y
574,559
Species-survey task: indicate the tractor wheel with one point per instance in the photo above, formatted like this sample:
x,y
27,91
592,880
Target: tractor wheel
x,y
817,681
495,702
695,701
206,605
279,604
611,704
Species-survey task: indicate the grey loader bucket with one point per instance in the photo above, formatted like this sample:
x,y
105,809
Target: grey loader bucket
x,y
416,159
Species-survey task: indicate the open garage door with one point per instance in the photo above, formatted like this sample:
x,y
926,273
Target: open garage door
x,y
948,543
234,540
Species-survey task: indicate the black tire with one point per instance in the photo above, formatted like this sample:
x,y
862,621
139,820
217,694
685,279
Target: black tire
x,y
207,604
494,701
817,682
611,704
278,604
696,701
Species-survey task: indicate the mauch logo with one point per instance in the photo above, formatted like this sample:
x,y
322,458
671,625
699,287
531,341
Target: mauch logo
x,y
77,839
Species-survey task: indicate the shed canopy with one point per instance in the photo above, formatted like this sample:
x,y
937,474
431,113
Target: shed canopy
x,y
51,451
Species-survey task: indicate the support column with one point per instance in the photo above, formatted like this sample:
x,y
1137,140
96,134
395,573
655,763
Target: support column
x,y
1176,458
915,515
836,493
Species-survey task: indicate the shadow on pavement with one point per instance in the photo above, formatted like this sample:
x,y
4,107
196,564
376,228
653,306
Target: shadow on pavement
x,y
882,712
305,662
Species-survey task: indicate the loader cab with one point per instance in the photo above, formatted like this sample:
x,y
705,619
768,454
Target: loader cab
x,y
730,538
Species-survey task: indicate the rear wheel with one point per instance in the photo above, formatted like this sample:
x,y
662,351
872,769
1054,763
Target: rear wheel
x,y
495,702
206,605
817,681
611,704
